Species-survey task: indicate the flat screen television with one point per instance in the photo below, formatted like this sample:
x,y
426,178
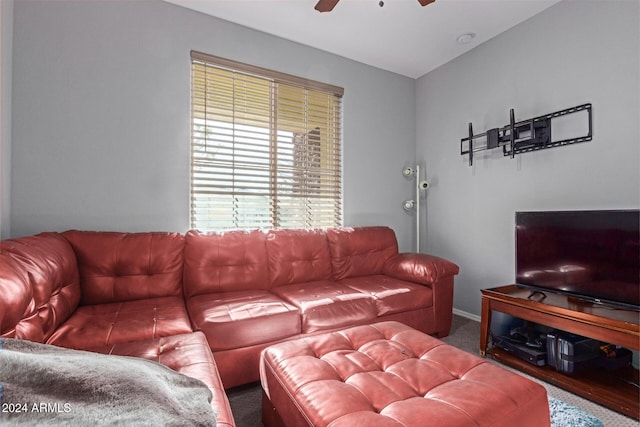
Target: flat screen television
x,y
592,255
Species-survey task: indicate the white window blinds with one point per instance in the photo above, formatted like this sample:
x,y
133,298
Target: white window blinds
x,y
265,148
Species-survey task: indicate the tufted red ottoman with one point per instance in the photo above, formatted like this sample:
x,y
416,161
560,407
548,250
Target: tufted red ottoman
x,y
389,374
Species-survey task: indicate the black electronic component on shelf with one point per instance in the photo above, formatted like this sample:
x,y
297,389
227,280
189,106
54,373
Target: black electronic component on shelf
x,y
524,136
534,355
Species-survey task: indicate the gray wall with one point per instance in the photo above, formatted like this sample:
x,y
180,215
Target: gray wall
x,y
101,116
6,41
572,53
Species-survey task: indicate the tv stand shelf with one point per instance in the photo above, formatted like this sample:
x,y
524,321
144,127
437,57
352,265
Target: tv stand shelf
x,y
613,389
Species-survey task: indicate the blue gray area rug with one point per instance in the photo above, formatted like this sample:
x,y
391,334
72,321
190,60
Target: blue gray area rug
x,y
565,415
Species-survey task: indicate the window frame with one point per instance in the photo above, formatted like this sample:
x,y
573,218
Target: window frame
x,y
333,137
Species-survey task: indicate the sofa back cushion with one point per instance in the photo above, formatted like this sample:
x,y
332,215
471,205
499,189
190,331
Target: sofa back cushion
x,y
224,262
360,251
298,256
39,286
117,267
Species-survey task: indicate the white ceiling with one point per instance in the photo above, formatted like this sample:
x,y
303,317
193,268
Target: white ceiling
x,y
402,37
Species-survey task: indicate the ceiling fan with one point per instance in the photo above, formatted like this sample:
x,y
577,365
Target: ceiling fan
x,y
328,5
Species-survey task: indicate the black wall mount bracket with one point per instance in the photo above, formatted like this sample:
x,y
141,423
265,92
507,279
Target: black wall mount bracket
x,y
524,136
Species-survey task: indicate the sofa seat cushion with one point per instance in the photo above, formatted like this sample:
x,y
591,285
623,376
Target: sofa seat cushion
x,y
188,354
328,305
392,295
243,318
107,324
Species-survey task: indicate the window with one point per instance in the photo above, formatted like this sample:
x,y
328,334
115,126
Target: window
x,y
265,148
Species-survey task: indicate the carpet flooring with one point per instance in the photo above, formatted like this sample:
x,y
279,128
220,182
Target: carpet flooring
x,y
246,401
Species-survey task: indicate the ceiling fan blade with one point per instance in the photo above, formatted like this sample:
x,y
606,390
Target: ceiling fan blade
x,y
328,5
426,2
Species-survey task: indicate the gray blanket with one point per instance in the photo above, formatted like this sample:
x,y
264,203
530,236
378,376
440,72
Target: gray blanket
x,y
46,385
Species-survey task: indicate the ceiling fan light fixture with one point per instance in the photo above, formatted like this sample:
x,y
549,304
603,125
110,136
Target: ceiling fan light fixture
x,y
465,38
328,5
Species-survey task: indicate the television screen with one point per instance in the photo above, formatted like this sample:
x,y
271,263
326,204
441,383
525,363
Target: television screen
x,y
593,255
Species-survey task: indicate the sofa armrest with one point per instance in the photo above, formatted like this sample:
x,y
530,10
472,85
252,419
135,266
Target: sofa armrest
x,y
428,270
419,268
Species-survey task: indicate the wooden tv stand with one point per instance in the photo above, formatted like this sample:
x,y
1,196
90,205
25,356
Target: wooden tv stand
x,y
613,389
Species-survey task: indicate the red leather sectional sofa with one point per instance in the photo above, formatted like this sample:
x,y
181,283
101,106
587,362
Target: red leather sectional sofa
x,y
206,305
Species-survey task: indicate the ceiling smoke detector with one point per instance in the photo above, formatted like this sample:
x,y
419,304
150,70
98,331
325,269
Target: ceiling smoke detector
x,y
465,38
